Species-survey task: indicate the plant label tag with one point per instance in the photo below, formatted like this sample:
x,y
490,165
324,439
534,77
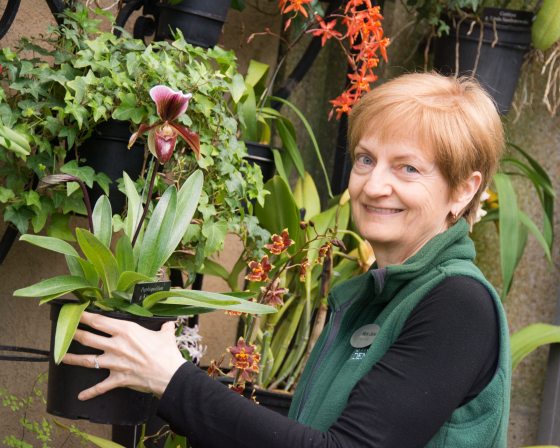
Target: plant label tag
x,y
508,17
364,336
143,290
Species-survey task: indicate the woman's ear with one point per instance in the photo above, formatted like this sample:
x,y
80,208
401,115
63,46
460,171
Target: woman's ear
x,y
465,192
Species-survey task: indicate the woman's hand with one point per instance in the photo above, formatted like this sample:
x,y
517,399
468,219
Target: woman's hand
x,y
138,358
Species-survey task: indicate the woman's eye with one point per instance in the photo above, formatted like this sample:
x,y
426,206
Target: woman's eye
x,y
364,160
409,169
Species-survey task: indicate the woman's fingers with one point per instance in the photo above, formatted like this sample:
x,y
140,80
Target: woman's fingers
x,y
92,340
103,323
88,361
100,388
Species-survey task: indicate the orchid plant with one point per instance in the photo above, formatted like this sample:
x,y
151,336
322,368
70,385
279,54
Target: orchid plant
x,y
362,41
303,260
104,277
59,87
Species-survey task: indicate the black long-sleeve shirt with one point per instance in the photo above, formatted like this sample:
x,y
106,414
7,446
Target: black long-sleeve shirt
x,y
445,355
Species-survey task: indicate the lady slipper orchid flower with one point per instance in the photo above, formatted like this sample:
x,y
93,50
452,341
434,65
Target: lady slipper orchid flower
x,y
162,136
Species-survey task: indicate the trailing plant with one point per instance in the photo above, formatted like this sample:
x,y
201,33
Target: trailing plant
x,y
57,89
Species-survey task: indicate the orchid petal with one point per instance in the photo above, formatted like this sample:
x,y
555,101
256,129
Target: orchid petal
x,y
191,137
55,179
169,103
143,128
164,144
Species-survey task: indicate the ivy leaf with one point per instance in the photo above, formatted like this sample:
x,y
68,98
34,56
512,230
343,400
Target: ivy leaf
x,y
19,217
215,233
6,194
59,227
129,109
84,173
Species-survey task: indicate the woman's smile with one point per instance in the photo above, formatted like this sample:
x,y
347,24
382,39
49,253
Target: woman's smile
x,y
382,210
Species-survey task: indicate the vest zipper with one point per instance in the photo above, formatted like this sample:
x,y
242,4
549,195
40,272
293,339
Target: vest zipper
x,y
334,324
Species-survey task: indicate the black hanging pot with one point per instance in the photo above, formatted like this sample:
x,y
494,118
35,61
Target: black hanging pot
x,y
276,400
506,38
107,151
262,156
200,21
120,406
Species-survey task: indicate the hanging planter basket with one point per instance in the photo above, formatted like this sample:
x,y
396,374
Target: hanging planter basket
x,y
107,151
262,156
120,406
493,52
200,21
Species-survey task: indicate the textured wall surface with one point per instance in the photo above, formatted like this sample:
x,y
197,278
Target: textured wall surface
x,y
533,295
22,322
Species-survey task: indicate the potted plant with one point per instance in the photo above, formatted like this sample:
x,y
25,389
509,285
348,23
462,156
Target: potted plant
x,y
119,277
304,258
77,79
200,21
483,38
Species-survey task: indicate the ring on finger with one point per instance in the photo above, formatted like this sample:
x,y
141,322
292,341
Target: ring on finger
x,y
96,361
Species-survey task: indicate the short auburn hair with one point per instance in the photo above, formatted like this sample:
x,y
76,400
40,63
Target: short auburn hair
x,y
453,118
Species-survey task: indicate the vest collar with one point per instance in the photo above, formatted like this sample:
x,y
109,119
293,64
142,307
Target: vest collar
x,y
381,284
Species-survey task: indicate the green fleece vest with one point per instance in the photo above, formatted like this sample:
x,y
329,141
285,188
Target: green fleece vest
x,y
334,366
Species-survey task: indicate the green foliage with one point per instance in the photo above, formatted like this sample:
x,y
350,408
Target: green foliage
x,y
514,225
58,88
105,278
531,337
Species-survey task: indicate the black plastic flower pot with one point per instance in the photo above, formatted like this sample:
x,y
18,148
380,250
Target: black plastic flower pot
x,y
107,151
200,21
506,38
120,406
262,156
276,400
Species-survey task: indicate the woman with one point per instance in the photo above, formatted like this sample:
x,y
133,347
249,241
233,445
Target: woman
x,y
416,350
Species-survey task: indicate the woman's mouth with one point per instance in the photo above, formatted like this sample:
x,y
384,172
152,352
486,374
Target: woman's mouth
x,y
382,210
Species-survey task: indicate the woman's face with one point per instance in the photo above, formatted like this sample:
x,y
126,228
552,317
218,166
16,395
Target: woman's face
x,y
400,199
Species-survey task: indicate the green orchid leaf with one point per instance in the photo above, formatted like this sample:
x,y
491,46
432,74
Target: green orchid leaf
x,y
125,254
237,87
95,440
50,243
280,211
290,146
532,227
512,234
66,326
247,112
101,257
279,165
14,141
206,299
311,136
89,271
102,221
187,202
529,338
74,266
307,196
61,284
211,267
256,73
154,250
133,207
128,279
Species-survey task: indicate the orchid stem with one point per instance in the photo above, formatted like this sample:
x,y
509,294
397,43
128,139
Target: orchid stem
x,y
147,206
87,202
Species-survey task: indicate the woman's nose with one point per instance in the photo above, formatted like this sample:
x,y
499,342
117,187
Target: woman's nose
x,y
378,182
